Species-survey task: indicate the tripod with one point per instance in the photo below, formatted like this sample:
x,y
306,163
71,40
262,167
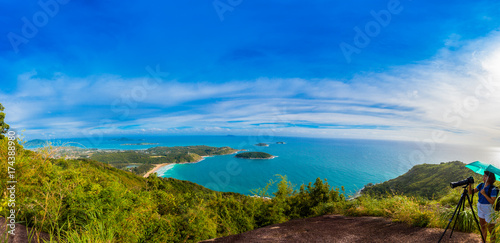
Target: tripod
x,y
459,208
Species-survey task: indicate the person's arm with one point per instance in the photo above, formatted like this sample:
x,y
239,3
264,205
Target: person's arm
x,y
472,191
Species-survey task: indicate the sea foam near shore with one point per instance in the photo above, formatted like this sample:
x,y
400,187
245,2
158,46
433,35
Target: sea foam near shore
x,y
162,170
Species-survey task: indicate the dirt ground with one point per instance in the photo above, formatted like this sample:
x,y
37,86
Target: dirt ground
x,y
336,228
328,228
21,234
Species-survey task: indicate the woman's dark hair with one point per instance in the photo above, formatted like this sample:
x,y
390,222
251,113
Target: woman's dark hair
x,y
491,177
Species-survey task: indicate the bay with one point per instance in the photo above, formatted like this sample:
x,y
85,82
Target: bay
x,y
343,162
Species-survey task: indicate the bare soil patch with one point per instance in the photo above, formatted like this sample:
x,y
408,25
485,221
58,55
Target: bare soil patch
x,y
21,234
337,228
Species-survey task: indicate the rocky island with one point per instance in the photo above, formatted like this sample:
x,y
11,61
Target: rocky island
x,y
254,155
262,144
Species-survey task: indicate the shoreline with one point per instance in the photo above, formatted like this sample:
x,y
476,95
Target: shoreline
x,y
356,194
158,166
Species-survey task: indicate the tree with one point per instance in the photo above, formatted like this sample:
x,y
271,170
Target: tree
x,y
4,127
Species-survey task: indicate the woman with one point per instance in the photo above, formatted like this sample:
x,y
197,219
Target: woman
x,y
485,203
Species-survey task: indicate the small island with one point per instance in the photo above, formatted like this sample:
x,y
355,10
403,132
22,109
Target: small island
x,y
262,144
254,155
280,143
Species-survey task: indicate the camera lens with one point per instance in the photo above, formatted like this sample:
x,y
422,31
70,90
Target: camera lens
x,y
462,182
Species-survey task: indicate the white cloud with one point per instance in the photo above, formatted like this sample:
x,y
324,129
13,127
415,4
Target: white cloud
x,y
406,102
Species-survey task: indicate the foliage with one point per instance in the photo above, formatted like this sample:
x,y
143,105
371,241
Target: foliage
x,y
141,169
464,220
4,127
201,150
431,181
87,201
253,155
157,155
122,158
451,199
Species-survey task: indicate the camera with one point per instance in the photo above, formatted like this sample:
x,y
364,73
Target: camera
x,y
467,181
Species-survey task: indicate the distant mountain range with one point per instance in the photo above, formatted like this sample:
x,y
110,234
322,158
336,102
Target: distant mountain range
x,y
35,143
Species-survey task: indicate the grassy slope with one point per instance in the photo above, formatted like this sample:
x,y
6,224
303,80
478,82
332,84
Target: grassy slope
x,y
430,181
88,201
158,155
85,198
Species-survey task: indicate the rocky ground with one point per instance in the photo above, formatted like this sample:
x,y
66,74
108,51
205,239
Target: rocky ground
x,y
328,228
22,234
336,228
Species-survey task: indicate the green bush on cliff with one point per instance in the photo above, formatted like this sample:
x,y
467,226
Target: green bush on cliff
x,y
431,181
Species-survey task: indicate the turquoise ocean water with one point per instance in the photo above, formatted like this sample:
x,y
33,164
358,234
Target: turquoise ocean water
x,y
343,162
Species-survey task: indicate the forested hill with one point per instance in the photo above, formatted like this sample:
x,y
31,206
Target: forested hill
x,y
87,201
158,155
144,159
83,200
431,181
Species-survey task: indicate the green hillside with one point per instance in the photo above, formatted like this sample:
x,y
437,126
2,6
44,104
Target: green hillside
x,y
87,201
430,181
83,200
144,159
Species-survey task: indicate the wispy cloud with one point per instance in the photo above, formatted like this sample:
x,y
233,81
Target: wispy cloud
x,y
445,93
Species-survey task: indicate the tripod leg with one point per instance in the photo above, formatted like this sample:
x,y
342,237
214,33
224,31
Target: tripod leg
x,y
462,198
475,218
461,208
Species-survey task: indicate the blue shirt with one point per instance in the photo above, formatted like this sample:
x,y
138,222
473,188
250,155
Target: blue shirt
x,y
481,199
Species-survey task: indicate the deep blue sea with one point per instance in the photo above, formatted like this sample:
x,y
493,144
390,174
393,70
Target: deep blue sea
x,y
343,162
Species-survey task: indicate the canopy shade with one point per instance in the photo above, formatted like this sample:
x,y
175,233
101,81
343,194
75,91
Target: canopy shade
x,y
480,168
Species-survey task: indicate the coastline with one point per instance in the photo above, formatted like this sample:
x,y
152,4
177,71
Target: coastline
x,y
158,166
356,195
202,158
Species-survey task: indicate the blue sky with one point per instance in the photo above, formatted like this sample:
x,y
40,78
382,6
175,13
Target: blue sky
x,y
402,70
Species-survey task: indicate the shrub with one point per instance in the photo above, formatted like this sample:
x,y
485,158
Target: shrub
x,y
465,220
88,201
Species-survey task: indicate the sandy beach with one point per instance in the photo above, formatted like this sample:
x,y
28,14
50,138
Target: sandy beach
x,y
158,166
